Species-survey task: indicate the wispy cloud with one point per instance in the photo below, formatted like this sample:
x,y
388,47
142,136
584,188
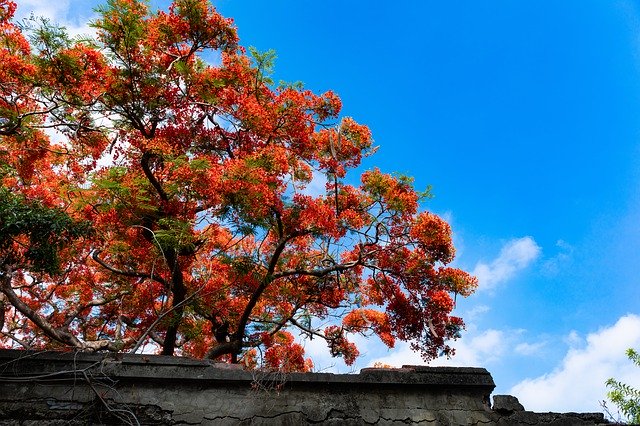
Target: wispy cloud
x,y
74,16
530,349
53,10
475,313
578,382
555,264
515,255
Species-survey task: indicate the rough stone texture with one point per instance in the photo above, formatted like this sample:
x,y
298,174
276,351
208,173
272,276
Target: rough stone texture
x,y
77,389
506,404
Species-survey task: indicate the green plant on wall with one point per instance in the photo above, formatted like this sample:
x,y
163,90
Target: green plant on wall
x,y
626,398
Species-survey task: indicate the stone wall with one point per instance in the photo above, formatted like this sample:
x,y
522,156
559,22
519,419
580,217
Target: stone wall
x,y
71,388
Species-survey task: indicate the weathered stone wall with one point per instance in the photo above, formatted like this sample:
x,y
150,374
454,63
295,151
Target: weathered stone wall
x,y
60,389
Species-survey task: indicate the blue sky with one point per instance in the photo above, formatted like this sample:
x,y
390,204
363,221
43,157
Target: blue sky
x,y
525,118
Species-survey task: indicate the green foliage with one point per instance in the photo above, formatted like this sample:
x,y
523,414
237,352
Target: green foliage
x,y
409,180
264,65
175,235
117,192
40,230
46,37
624,396
124,33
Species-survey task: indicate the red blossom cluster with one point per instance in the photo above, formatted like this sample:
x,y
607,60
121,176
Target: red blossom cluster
x,y
206,239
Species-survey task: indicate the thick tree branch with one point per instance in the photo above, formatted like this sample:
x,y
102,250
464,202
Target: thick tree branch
x,y
179,293
57,334
146,168
149,330
319,272
235,345
133,274
242,324
232,348
48,329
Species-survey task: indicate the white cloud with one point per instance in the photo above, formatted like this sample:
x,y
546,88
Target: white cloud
x,y
578,383
475,351
573,339
553,266
317,186
472,315
515,255
53,10
529,349
317,349
60,12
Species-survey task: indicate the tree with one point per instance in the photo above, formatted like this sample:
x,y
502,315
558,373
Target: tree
x,y
626,398
206,239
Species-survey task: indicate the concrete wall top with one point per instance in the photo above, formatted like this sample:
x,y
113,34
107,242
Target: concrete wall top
x,y
56,388
17,363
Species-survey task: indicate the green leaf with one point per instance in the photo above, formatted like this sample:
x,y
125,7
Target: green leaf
x,y
47,231
626,397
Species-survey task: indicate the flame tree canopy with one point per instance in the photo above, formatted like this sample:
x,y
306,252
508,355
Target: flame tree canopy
x,y
152,199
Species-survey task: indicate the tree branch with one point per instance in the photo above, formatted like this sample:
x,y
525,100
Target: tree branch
x,y
320,272
95,302
232,347
60,335
134,274
242,324
307,329
22,343
146,168
48,329
149,330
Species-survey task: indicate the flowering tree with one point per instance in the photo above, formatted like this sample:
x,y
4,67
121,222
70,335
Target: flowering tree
x,y
163,200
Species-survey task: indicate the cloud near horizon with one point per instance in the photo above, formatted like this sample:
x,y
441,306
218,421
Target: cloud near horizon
x,y
578,382
480,347
514,256
475,351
